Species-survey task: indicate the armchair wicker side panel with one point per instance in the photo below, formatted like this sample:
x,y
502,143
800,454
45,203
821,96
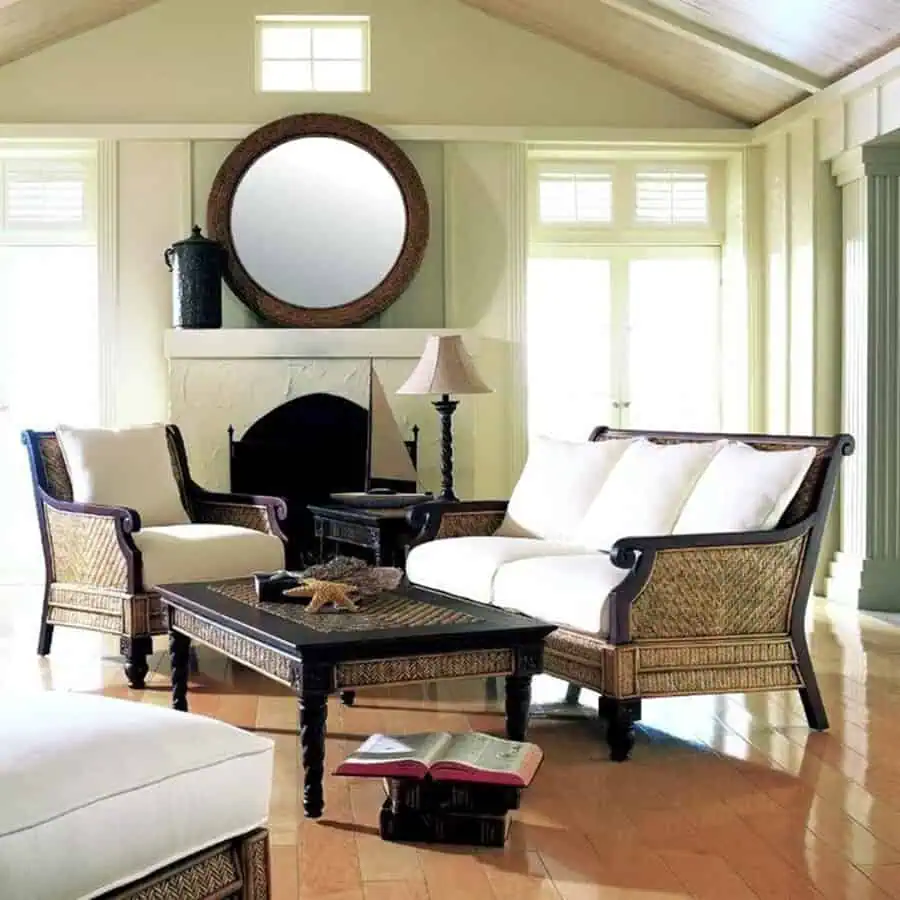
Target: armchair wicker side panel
x,y
93,569
696,614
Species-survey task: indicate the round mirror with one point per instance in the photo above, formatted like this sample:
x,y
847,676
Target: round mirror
x,y
324,219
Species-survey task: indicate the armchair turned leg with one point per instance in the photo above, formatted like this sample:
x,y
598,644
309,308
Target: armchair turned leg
x,y
135,651
809,693
620,716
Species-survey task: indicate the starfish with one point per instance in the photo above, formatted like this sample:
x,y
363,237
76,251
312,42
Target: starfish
x,y
323,592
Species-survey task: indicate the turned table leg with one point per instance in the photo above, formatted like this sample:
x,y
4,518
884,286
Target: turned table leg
x,y
180,659
313,713
518,699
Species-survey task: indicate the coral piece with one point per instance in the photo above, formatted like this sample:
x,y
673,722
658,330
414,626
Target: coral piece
x,y
323,593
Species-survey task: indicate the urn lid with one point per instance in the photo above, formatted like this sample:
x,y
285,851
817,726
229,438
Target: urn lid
x,y
196,239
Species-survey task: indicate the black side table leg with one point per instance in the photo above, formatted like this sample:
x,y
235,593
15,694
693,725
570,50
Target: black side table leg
x,y
518,699
180,658
313,713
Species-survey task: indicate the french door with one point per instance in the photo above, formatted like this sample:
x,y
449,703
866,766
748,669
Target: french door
x,y
624,336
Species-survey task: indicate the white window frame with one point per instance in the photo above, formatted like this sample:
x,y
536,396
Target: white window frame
x,y
619,257
362,23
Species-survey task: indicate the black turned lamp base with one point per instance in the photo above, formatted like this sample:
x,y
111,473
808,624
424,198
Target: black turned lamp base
x,y
446,407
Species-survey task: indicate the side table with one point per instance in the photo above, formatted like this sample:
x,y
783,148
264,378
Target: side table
x,y
384,533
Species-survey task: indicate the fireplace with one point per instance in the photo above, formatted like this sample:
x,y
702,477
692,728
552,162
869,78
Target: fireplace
x,y
315,445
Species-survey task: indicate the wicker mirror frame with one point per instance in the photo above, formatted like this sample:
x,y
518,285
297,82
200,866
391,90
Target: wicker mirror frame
x,y
275,310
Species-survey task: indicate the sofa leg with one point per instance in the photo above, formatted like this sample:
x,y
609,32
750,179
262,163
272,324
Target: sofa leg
x,y
809,694
573,694
620,716
135,651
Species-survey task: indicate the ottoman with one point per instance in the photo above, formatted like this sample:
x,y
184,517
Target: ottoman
x,y
106,797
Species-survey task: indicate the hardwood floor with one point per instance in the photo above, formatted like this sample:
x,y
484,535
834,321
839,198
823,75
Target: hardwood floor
x,y
725,799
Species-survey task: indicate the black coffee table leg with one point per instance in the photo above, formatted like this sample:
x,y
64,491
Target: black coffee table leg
x,y
518,699
313,712
180,658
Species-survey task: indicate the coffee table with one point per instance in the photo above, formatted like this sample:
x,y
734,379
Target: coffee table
x,y
400,637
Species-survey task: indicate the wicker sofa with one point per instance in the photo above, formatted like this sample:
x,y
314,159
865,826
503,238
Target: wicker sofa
x,y
685,614
95,567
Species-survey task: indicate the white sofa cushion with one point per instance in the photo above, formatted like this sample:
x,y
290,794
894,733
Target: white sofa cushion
x,y
174,553
567,590
645,491
98,792
557,485
124,467
744,489
466,566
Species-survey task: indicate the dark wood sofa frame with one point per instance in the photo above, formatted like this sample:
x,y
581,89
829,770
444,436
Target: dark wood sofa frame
x,y
94,577
697,614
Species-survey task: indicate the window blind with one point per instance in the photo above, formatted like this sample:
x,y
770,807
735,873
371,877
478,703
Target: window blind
x,y
671,198
44,195
575,197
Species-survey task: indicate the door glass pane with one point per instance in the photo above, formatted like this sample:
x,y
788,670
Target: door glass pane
x,y
673,346
568,346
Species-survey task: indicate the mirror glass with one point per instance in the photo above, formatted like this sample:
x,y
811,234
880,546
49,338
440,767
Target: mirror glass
x,y
318,222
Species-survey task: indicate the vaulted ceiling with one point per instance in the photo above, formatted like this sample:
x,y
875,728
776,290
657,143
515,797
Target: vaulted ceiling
x,y
746,58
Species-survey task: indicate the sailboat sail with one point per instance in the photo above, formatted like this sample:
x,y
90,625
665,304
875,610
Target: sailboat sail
x,y
388,456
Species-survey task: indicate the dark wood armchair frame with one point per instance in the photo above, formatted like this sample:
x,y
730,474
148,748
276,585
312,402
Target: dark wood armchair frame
x,y
94,570
696,614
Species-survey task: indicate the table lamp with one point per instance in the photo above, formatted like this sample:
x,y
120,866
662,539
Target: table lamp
x,y
445,368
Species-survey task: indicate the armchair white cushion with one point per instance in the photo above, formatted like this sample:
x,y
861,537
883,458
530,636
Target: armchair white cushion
x,y
557,485
124,467
175,553
568,590
744,489
466,566
645,492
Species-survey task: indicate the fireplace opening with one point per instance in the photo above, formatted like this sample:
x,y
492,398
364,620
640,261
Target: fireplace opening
x,y
313,446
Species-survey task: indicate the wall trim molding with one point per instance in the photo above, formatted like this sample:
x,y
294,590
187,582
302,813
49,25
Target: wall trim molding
x,y
304,343
537,134
107,276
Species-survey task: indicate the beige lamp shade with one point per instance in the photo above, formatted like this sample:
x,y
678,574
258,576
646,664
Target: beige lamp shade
x,y
445,368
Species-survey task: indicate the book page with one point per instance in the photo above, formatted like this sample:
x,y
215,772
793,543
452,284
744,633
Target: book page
x,y
383,748
483,751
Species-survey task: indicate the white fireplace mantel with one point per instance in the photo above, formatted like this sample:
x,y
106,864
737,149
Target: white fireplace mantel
x,y
303,343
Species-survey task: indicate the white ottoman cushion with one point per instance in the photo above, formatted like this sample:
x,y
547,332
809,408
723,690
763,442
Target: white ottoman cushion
x,y
465,566
98,792
173,553
567,590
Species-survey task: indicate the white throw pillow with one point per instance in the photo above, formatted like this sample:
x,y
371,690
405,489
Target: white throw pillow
x,y
124,467
645,492
557,485
744,489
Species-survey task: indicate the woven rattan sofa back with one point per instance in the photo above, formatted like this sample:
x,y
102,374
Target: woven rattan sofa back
x,y
48,465
811,497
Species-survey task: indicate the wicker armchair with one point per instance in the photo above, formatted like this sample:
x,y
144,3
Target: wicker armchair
x,y
93,567
697,614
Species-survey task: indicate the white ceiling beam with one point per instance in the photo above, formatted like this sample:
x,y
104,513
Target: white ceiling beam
x,y
669,21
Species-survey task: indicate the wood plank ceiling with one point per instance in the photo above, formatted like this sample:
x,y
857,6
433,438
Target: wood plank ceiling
x,y
746,58
30,25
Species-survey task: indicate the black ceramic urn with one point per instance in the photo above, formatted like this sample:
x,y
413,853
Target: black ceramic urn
x,y
196,267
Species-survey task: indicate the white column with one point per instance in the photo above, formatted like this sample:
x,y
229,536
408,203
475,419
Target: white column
x,y
867,570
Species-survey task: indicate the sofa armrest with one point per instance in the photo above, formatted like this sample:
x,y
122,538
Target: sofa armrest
x,y
247,510
89,544
444,519
710,585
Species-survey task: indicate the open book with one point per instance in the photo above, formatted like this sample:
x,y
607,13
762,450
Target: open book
x,y
445,757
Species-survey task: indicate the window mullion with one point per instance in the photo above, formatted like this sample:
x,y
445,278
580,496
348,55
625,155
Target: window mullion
x,y
619,355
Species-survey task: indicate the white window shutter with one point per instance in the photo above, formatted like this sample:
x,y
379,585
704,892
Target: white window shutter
x,y
575,197
45,195
671,198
